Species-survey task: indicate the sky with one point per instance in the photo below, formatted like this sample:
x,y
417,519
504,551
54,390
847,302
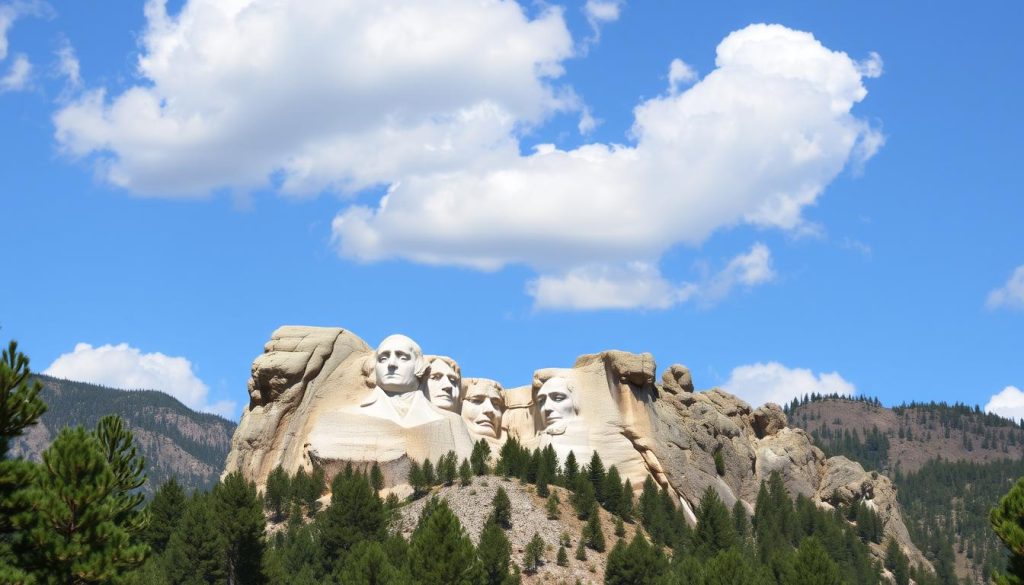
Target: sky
x,y
785,197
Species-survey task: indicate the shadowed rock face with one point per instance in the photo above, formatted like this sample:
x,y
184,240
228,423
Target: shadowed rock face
x,y
315,400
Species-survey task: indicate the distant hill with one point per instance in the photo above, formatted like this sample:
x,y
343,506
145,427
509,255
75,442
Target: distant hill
x,y
176,440
950,464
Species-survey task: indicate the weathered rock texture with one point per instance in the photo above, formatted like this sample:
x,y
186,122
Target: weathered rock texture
x,y
310,380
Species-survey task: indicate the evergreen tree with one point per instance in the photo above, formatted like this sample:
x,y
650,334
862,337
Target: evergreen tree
x,y
571,469
376,477
595,472
583,498
620,528
479,457
494,553
648,508
549,459
20,405
562,560
465,473
165,513
636,564
542,480
626,508
552,507
368,564
195,551
719,462
278,493
593,534
739,521
502,509
355,514
897,563
715,531
448,468
813,565
581,551
533,465
1007,520
239,517
440,551
612,491
429,477
534,554
417,480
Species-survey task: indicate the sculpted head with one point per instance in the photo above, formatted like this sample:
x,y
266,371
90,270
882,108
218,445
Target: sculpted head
x,y
556,402
398,364
442,381
483,404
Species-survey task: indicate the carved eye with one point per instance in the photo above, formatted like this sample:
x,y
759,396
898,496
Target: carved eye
x,y
558,396
452,379
436,376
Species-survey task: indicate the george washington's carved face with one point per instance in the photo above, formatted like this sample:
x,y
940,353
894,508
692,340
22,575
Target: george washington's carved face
x,y
443,385
556,403
482,408
398,359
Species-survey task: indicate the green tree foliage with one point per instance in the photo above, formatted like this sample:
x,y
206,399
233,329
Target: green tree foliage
x,y
448,468
897,563
583,498
543,478
740,522
502,513
612,491
552,507
581,550
636,564
715,531
593,533
626,507
513,459
494,553
1007,520
417,480
595,472
440,551
165,511
376,477
465,473
368,564
479,457
355,514
813,565
719,462
533,556
278,493
429,476
240,521
307,488
620,528
562,560
195,551
20,405
571,469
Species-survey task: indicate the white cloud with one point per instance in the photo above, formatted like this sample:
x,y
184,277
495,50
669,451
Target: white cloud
x,y
679,74
1008,403
637,285
123,366
68,66
323,94
588,123
17,76
773,382
1010,295
602,11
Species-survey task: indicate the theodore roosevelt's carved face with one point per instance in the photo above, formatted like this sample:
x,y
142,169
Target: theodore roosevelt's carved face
x,y
398,359
443,385
482,408
556,403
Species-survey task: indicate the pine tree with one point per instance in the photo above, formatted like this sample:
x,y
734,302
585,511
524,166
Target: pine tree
x,y
239,517
368,564
583,498
739,521
494,553
552,507
1007,520
897,563
429,477
20,405
626,508
719,463
533,465
620,528
562,560
581,551
636,564
417,480
813,565
502,509
356,514
534,554
612,491
465,473
479,457
542,480
376,477
195,551
448,468
593,533
278,493
440,551
571,469
595,472
715,531
165,513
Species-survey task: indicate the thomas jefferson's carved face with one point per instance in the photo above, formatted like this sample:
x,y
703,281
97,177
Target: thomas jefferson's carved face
x,y
397,360
443,386
482,407
556,403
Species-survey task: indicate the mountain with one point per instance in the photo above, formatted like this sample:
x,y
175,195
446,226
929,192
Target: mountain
x,y
175,440
950,464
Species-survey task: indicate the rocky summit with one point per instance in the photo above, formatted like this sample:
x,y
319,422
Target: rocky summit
x,y
323,397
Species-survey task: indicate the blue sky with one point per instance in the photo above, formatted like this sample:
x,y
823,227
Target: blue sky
x,y
833,204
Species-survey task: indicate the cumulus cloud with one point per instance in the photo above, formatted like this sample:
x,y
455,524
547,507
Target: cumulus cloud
x,y
1008,403
638,285
599,13
1010,295
773,382
19,71
123,366
17,76
323,94
433,100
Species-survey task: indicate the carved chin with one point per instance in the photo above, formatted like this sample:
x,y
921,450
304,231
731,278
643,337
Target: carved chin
x,y
556,428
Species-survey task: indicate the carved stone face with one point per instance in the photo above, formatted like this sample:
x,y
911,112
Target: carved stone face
x,y
556,403
482,408
397,361
443,386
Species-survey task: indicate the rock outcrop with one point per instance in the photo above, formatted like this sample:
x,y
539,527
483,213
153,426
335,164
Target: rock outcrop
x,y
315,399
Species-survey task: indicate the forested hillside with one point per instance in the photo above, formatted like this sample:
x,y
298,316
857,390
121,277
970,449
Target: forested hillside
x,y
175,440
950,463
